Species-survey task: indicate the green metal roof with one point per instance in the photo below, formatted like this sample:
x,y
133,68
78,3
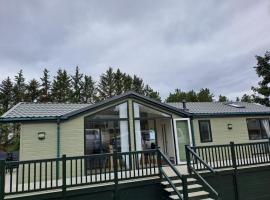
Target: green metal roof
x,y
41,110
51,111
222,108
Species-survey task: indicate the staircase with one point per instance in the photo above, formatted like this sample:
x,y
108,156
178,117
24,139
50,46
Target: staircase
x,y
195,190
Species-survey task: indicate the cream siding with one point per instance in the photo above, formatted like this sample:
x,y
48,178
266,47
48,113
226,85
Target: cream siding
x,y
71,136
220,132
33,148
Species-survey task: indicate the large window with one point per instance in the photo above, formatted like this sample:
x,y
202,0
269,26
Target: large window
x,y
258,128
107,130
145,127
205,130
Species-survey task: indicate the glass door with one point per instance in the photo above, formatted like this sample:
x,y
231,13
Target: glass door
x,y
183,137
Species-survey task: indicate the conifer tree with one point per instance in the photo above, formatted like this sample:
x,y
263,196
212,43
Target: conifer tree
x,y
118,79
148,91
32,91
61,87
204,95
222,98
106,86
45,91
19,88
262,91
137,85
127,82
77,86
89,92
6,94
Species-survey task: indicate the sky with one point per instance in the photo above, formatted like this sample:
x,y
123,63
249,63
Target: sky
x,y
171,44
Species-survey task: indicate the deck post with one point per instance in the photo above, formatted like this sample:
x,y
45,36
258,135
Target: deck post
x,y
64,185
115,170
188,159
2,178
235,184
185,188
159,163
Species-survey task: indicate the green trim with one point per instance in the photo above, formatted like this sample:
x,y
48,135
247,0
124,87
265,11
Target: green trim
x,y
25,119
229,115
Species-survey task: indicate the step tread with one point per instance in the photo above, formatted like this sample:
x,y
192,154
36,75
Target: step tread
x,y
179,181
191,194
194,186
199,193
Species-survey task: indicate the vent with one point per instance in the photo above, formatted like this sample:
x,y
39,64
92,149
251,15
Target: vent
x,y
235,105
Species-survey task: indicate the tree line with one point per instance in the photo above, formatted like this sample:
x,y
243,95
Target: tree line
x,y
70,88
81,88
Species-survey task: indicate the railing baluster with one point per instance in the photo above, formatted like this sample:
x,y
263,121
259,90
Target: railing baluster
x,y
29,176
35,175
23,177
17,176
10,174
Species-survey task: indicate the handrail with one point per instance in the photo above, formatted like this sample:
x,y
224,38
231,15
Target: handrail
x,y
170,164
201,160
189,150
183,196
172,184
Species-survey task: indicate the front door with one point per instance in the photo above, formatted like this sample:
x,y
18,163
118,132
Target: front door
x,y
183,137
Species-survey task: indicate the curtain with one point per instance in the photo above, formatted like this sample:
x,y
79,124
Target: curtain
x,y
138,134
124,131
266,126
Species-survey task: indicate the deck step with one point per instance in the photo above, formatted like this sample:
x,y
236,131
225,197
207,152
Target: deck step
x,y
200,195
178,182
194,187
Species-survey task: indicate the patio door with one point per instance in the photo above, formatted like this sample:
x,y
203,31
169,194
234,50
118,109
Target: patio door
x,y
182,137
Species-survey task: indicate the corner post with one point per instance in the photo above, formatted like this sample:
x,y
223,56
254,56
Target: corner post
x,y
235,184
64,184
2,179
159,163
115,170
185,188
188,159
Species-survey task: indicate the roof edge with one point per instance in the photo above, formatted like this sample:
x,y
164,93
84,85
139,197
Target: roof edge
x,y
11,109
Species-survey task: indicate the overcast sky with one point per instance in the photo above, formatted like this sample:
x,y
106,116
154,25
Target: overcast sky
x,y
170,44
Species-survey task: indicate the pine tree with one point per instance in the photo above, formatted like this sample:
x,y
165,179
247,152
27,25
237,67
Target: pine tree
x,y
32,91
77,86
119,85
19,88
262,92
137,85
6,94
191,96
222,98
45,91
127,82
247,98
177,96
148,91
106,86
204,95
89,91
61,91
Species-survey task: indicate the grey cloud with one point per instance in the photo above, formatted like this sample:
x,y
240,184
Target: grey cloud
x,y
171,44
